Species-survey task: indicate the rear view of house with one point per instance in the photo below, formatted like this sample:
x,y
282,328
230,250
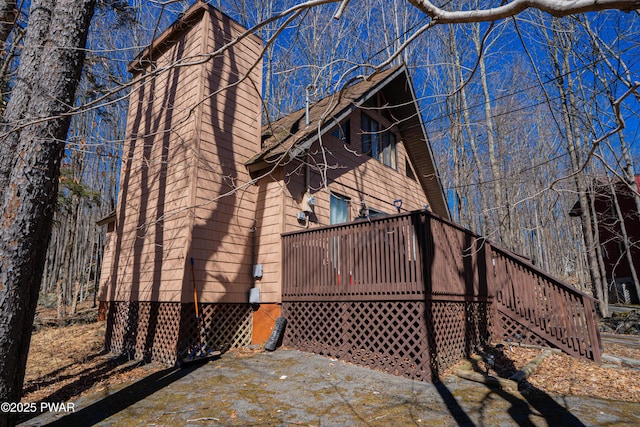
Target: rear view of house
x,y
617,212
206,191
333,216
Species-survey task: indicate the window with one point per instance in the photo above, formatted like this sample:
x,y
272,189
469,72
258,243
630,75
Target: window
x,y
369,213
410,173
380,145
389,153
339,209
370,136
343,132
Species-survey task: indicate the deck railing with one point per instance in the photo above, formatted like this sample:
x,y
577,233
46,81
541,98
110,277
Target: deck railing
x,y
401,257
420,257
557,312
370,260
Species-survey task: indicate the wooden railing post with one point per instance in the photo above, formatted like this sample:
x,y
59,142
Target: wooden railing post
x,y
592,324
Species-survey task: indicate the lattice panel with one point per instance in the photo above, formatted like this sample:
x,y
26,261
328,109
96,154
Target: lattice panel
x,y
152,330
508,329
387,336
157,331
143,330
223,326
117,321
398,337
458,329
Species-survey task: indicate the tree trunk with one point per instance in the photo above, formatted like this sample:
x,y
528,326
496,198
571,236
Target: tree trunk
x,y
19,106
503,214
29,199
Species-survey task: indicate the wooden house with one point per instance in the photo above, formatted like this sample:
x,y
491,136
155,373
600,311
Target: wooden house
x,y
206,191
607,199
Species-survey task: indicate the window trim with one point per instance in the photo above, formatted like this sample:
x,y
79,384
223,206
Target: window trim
x,y
375,142
347,201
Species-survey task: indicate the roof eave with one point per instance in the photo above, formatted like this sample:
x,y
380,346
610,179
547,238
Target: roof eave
x,y
310,136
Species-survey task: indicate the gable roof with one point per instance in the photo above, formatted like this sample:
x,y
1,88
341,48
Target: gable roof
x,y
289,136
169,36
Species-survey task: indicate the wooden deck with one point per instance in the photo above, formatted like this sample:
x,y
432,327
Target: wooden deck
x,y
419,292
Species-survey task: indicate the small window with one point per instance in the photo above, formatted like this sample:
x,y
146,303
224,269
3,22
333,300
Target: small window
x,y
374,213
339,209
409,170
381,145
370,136
343,132
367,212
389,151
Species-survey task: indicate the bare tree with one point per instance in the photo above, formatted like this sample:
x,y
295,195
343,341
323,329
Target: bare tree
x,y
37,130
36,122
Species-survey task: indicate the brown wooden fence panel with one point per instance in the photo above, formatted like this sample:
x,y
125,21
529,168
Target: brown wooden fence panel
x,y
369,260
552,311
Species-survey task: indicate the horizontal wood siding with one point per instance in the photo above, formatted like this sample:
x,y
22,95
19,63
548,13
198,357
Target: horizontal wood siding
x,y
222,236
184,190
354,175
349,173
152,225
269,217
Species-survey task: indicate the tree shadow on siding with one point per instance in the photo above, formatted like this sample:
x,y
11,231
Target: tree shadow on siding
x,y
221,233
137,341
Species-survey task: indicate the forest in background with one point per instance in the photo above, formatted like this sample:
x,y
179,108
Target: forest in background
x,y
522,115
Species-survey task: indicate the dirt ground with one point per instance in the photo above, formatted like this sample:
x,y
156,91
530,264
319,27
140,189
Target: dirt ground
x,y
67,362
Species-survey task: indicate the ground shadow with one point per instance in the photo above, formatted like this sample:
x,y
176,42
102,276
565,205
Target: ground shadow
x,y
84,380
471,276
530,397
128,396
56,375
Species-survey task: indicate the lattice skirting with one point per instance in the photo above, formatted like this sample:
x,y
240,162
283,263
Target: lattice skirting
x,y
508,329
163,332
414,339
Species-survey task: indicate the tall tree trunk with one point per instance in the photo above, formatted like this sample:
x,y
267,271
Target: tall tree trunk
x,y
32,184
19,108
502,210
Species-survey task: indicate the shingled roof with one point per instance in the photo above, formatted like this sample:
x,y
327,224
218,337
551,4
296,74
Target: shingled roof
x,y
289,136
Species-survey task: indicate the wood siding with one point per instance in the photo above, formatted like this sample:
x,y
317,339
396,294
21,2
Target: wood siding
x,y
189,131
350,173
229,133
186,193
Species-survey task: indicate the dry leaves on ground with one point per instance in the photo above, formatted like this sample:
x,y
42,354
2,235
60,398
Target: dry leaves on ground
x,y
561,374
67,362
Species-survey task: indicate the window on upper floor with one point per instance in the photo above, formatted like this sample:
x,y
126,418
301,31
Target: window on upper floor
x,y
343,132
379,144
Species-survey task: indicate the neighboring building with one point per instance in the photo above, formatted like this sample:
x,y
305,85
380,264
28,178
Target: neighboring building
x,y
622,288
201,180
